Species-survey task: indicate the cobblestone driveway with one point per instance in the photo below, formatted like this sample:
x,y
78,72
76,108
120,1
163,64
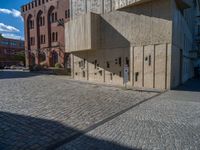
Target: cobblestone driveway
x,y
41,112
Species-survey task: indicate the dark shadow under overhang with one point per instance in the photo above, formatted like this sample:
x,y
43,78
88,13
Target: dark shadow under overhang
x,y
130,4
183,4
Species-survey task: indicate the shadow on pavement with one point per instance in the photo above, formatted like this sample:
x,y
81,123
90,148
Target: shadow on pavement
x,y
191,85
24,132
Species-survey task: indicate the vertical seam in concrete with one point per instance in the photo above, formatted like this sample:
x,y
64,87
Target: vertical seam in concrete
x,y
87,68
111,3
72,65
154,65
143,67
86,9
133,62
104,70
166,61
102,7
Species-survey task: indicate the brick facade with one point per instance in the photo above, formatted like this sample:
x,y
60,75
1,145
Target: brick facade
x,y
44,31
8,50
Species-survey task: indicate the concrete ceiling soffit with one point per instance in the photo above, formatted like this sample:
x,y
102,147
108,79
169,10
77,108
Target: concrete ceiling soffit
x,y
183,4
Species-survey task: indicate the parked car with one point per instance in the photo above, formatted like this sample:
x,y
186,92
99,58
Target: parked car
x,y
6,67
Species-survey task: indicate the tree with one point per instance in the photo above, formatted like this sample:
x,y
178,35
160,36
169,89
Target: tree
x,y
1,36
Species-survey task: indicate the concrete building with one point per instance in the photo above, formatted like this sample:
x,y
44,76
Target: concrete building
x,y
197,33
154,38
9,48
44,31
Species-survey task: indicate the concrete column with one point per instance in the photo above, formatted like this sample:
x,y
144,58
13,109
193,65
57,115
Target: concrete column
x,y
27,58
37,61
72,65
48,58
132,65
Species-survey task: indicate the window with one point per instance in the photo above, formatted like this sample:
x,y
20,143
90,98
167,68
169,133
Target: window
x,y
13,44
21,44
120,61
56,17
53,17
127,61
120,74
67,13
31,24
136,76
4,43
84,62
116,62
42,39
54,37
32,41
108,64
41,21
95,64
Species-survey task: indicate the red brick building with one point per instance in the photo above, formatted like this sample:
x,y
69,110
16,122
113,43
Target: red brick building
x,y
9,48
44,31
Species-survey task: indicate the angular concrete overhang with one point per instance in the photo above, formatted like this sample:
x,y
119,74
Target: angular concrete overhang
x,y
184,4
82,33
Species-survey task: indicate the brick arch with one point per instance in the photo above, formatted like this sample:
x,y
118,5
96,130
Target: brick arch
x,y
28,22
39,14
54,57
50,11
42,57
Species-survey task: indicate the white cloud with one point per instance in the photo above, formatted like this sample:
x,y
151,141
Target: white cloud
x,y
12,36
13,12
7,28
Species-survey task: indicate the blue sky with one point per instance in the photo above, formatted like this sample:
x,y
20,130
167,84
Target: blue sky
x,y
11,22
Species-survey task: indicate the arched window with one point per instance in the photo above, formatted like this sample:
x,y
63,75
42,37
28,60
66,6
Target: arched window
x,y
52,17
56,38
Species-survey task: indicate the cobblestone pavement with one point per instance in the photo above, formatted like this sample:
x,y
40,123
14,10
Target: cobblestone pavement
x,y
170,121
41,111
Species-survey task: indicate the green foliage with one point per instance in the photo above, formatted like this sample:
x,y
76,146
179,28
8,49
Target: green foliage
x,y
37,68
58,65
20,56
1,36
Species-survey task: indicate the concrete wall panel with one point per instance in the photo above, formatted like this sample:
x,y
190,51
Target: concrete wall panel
x,y
149,66
160,66
138,66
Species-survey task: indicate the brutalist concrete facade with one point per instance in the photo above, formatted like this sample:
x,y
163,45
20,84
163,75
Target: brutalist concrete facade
x,y
44,31
152,37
